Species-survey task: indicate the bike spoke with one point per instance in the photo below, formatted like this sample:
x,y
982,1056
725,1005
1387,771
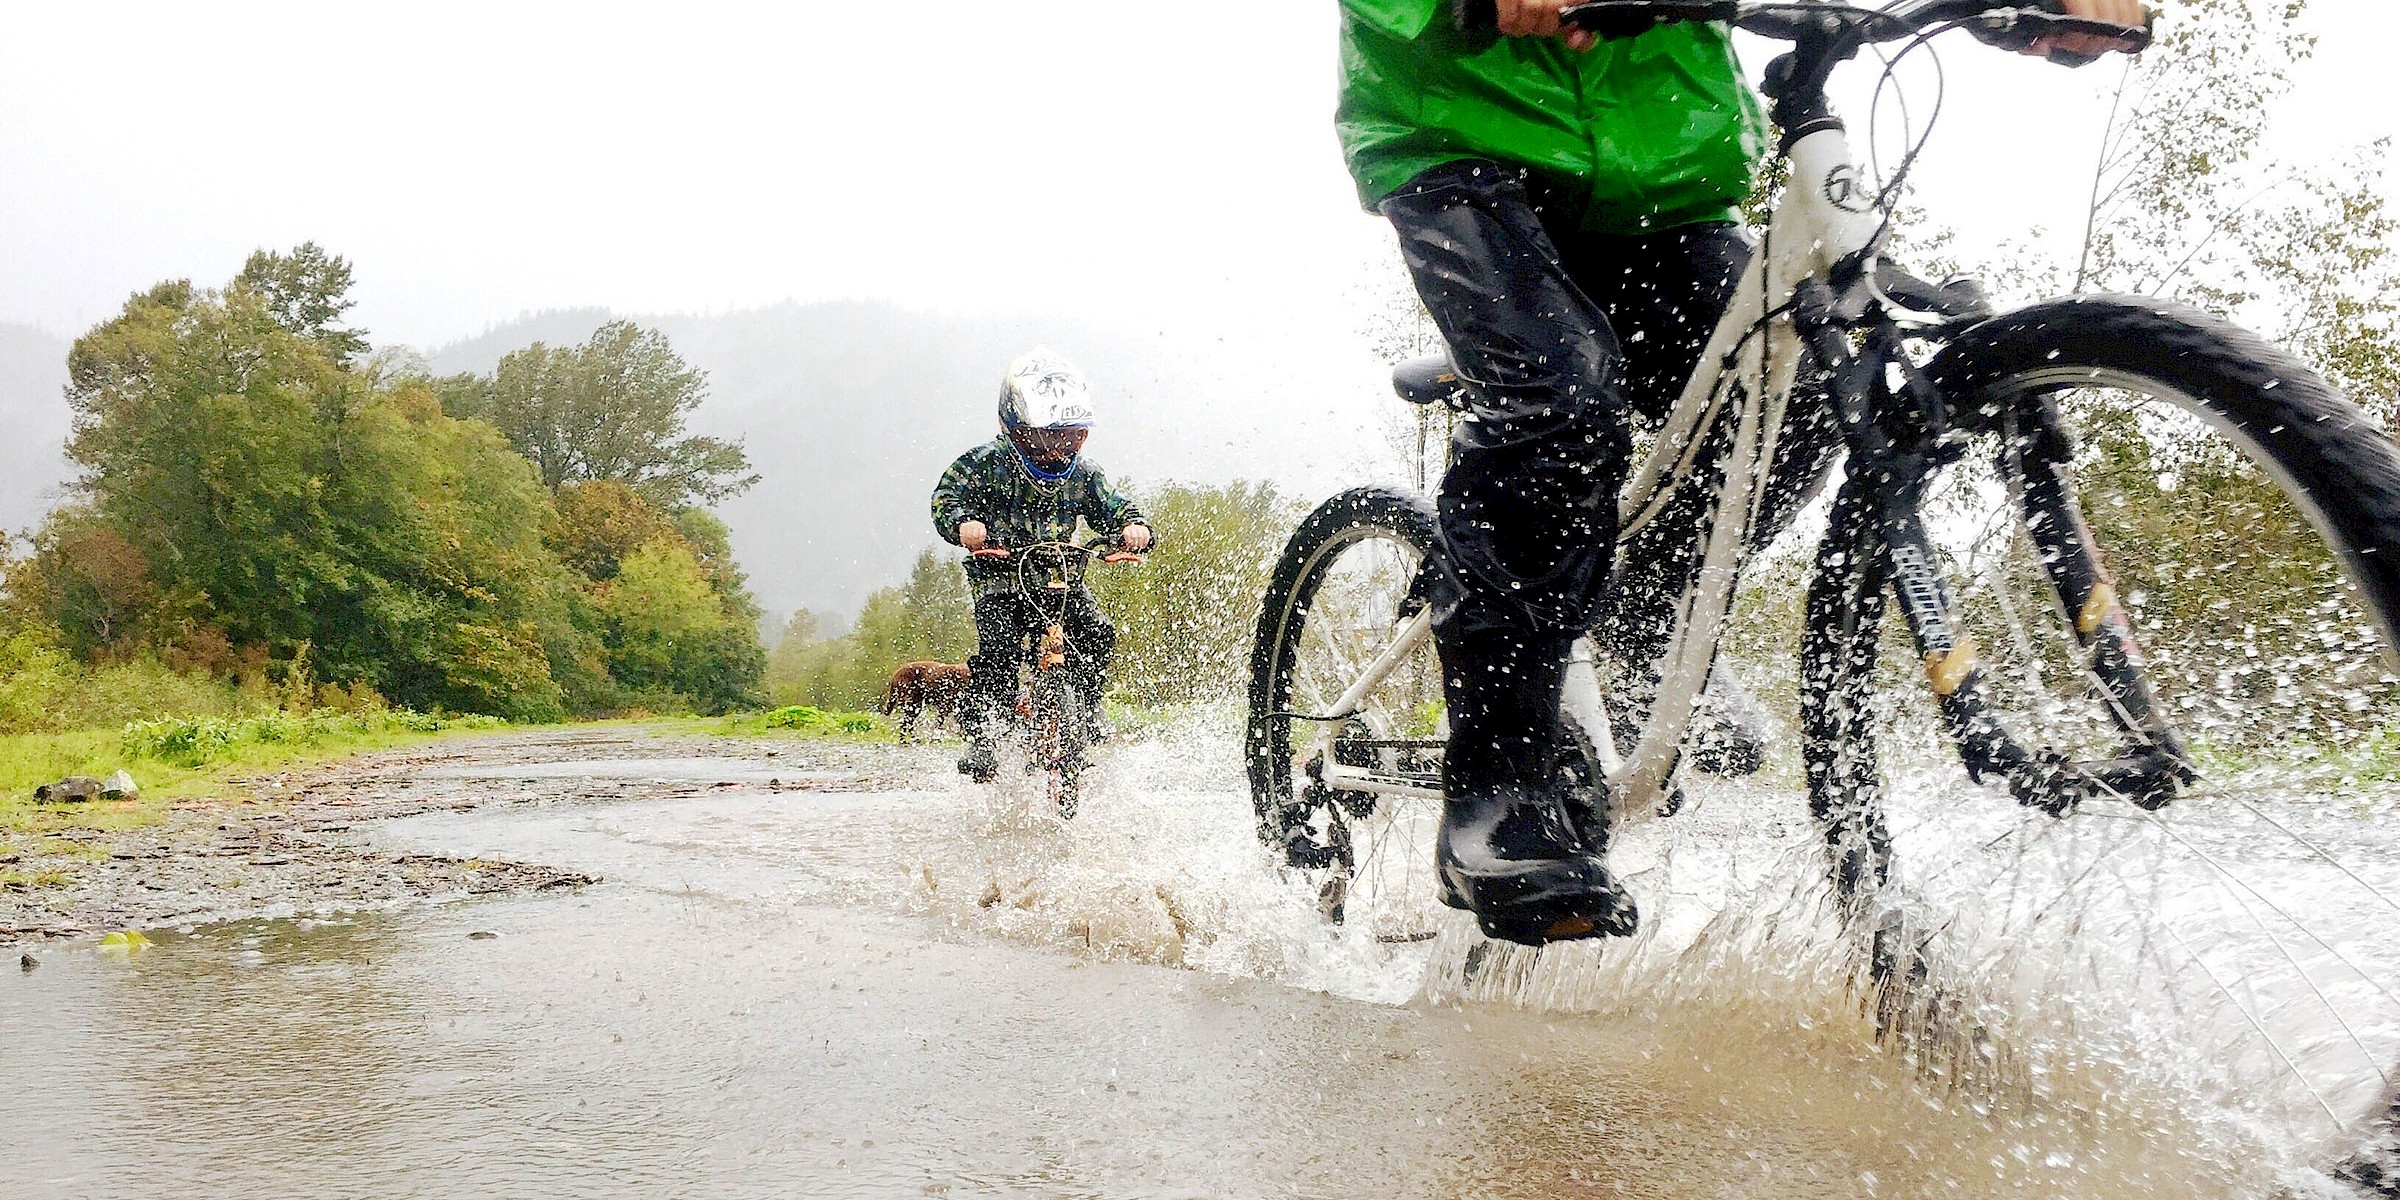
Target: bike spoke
x,y
2240,919
1356,611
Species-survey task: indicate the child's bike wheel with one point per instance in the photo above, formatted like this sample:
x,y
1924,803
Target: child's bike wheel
x,y
1057,741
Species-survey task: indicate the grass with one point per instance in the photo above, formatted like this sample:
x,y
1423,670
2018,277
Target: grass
x,y
181,758
789,721
66,847
45,878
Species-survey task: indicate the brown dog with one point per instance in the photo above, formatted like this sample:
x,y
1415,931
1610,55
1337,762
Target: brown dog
x,y
925,686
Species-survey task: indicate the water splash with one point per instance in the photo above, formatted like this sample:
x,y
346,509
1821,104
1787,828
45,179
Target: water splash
x,y
1745,959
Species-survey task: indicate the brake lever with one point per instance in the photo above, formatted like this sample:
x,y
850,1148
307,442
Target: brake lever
x,y
2011,29
989,552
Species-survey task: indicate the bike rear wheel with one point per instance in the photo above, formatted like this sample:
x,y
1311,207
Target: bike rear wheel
x,y
1339,597
2163,568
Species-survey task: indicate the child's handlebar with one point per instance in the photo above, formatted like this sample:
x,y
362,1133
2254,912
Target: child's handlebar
x,y
1102,549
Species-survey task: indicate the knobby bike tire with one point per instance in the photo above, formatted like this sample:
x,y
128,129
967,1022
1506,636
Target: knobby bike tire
x,y
2325,455
2338,465
2341,462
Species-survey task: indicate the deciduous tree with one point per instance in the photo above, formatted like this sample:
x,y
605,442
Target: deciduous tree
x,y
611,409
285,500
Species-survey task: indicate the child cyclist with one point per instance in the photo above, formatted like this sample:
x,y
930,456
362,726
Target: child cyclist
x,y
1031,484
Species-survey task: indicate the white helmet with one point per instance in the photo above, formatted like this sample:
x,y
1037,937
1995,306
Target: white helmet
x,y
1046,408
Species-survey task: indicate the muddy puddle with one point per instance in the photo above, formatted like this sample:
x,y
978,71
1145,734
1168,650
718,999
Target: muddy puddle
x,y
857,976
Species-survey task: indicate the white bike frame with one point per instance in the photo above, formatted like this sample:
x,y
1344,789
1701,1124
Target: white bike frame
x,y
1826,214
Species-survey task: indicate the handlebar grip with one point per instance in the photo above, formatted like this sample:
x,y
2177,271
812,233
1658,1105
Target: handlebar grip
x,y
1607,20
1610,20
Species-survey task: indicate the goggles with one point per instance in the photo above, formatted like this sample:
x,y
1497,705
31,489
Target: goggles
x,y
1050,446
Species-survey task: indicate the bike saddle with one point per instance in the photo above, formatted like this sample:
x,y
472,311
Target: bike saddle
x,y
1429,380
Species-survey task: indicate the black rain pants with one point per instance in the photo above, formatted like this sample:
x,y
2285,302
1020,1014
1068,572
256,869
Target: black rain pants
x,y
1008,628
1566,336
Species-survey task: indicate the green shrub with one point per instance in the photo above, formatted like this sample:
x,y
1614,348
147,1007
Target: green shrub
x,y
34,674
503,669
114,694
198,741
186,742
796,716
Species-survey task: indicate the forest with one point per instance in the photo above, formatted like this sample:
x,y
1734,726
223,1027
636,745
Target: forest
x,y
267,514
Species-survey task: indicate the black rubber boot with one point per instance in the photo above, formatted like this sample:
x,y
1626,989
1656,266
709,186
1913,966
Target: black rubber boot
x,y
1510,849
975,720
991,683
1089,687
1512,856
980,763
1728,733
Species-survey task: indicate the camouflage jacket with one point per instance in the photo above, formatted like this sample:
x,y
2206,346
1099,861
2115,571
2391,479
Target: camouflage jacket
x,y
988,484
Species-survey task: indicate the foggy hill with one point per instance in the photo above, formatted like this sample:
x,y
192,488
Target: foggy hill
x,y
33,464
850,410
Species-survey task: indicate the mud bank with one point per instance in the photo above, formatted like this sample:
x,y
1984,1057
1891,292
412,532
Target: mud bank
x,y
297,844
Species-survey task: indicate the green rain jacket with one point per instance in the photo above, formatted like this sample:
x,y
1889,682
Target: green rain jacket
x,y
1661,128
987,484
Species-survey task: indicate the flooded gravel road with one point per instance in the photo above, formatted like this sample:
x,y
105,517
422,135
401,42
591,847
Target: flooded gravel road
x,y
840,971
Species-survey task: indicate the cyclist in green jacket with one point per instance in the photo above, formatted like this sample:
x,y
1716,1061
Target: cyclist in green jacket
x,y
1031,484
1566,209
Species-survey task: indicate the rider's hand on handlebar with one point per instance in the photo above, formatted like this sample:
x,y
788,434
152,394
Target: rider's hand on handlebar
x,y
972,535
1539,18
1135,538
2087,46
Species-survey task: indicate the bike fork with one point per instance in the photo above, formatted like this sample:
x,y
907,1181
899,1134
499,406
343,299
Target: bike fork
x,y
2153,767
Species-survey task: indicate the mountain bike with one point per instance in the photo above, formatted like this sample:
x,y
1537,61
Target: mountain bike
x,y
2148,564
1053,716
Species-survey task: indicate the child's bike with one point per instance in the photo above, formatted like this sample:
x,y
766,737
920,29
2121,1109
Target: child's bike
x,y
1053,716
2148,564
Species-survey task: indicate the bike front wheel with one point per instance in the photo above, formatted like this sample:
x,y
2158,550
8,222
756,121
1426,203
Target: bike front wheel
x,y
1056,740
2152,579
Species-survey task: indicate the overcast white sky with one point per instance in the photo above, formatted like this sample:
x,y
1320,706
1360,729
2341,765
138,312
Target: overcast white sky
x,y
1168,163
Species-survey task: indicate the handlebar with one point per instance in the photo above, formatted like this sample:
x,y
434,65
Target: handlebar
x,y
1101,549
2008,24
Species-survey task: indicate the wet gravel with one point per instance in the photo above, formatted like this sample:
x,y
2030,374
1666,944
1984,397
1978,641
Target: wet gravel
x,y
297,844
